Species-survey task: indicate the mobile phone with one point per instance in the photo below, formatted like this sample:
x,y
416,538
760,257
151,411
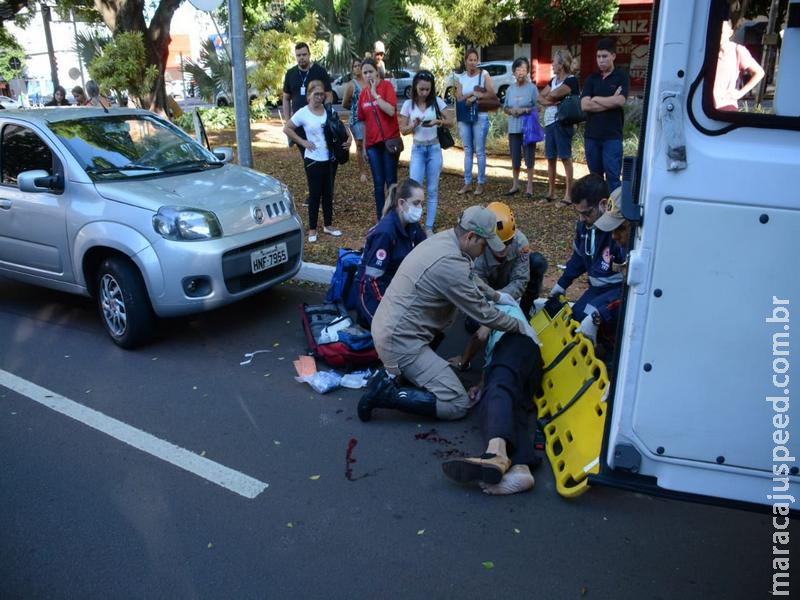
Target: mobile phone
x,y
427,123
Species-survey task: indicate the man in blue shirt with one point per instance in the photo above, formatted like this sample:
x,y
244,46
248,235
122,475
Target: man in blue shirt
x,y
604,94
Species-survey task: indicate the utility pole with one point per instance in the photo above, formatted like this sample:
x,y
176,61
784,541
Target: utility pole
x,y
49,40
241,99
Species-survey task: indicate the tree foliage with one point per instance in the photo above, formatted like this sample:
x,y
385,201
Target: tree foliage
x,y
273,51
123,67
438,53
571,18
474,21
351,27
213,73
10,49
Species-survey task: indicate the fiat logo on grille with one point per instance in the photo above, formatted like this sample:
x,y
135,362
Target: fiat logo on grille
x,y
258,214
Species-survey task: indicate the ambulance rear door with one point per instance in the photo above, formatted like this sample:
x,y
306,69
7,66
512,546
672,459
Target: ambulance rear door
x,y
699,404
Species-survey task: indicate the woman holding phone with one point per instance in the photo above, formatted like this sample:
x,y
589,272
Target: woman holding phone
x,y
421,116
377,108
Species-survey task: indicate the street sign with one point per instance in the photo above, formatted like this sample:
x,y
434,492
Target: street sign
x,y
74,74
14,63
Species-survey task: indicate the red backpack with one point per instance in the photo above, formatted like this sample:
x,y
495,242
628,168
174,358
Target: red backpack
x,y
315,317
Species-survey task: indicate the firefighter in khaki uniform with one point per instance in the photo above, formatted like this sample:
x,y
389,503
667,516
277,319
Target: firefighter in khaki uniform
x,y
433,282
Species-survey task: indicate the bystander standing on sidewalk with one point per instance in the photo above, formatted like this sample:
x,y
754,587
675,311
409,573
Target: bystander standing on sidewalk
x,y
520,100
558,137
421,116
377,107
352,91
604,95
473,132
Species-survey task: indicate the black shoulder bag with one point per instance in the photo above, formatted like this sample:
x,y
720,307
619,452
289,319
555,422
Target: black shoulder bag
x,y
336,135
443,133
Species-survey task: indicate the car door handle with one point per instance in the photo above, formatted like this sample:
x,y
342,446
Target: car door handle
x,y
5,203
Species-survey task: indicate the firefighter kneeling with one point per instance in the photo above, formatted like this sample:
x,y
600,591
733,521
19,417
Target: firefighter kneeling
x,y
433,283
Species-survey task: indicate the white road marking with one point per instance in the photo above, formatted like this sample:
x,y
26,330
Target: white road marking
x,y
237,482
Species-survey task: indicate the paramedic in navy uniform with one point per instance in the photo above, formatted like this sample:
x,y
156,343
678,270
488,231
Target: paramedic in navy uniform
x,y
388,243
594,251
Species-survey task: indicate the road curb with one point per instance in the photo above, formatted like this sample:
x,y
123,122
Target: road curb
x,y
315,273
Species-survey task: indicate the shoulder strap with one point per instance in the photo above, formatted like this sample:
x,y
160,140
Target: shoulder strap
x,y
377,118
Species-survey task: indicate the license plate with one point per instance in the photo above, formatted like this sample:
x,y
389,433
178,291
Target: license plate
x,y
266,258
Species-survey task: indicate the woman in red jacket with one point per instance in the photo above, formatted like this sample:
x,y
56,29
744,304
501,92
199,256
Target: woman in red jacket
x,y
377,108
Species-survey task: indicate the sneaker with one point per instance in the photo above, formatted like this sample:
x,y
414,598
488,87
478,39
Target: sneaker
x,y
478,190
428,231
312,237
332,231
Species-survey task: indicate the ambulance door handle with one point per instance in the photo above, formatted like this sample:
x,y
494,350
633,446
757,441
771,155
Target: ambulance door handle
x,y
671,116
5,203
638,270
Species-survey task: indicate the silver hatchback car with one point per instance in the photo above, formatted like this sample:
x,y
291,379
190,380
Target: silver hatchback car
x,y
123,206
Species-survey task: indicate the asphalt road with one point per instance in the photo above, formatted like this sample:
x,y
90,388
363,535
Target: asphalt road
x,y
87,516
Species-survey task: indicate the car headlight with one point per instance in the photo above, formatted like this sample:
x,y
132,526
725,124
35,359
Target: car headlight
x,y
176,223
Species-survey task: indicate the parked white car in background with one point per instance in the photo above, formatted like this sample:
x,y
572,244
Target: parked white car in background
x,y
401,80
125,207
7,102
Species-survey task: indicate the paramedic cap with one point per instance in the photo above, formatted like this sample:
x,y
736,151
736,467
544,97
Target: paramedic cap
x,y
483,222
612,218
379,47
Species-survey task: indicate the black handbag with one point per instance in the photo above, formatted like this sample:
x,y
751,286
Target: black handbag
x,y
443,133
570,111
336,135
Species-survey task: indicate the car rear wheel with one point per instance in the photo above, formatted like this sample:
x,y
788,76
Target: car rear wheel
x,y
450,95
123,302
407,92
221,102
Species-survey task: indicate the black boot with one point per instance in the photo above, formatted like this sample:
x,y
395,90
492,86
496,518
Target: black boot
x,y
382,392
414,400
380,389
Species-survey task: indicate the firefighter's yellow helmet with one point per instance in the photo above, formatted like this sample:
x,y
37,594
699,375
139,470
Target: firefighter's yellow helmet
x,y
506,224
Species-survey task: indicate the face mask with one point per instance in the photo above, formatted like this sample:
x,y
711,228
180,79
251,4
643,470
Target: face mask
x,y
413,214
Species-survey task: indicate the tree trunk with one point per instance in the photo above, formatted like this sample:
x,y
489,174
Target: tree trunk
x,y
128,15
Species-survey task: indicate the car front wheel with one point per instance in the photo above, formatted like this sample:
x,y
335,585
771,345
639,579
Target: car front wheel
x,y
123,302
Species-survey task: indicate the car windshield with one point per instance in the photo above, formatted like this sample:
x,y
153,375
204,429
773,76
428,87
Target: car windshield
x,y
124,146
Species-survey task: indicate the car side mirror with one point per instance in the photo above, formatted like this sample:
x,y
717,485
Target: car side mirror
x,y
39,180
224,153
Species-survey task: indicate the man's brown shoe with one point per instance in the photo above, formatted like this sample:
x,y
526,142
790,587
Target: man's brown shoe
x,y
488,468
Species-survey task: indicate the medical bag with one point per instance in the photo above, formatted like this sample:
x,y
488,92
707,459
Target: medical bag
x,y
334,338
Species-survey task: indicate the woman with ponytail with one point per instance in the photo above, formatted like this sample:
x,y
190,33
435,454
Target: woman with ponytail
x,y
388,243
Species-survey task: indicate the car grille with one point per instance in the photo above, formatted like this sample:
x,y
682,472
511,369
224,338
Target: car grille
x,y
236,263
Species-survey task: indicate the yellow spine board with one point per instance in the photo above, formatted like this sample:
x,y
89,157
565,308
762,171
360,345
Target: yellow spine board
x,y
575,382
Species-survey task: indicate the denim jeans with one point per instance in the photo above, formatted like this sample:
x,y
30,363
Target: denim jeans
x,y
384,173
604,157
473,136
426,166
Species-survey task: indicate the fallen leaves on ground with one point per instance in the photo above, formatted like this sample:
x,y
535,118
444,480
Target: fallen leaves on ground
x,y
488,564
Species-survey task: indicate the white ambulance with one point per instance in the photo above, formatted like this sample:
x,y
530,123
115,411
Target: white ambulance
x,y
700,403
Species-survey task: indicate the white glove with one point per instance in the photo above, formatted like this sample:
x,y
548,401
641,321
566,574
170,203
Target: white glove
x,y
506,298
588,328
528,330
557,291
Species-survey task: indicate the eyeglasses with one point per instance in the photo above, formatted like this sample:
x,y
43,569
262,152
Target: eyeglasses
x,y
586,213
425,76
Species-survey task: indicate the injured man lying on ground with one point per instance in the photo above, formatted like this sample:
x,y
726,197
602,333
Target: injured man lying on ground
x,y
512,374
